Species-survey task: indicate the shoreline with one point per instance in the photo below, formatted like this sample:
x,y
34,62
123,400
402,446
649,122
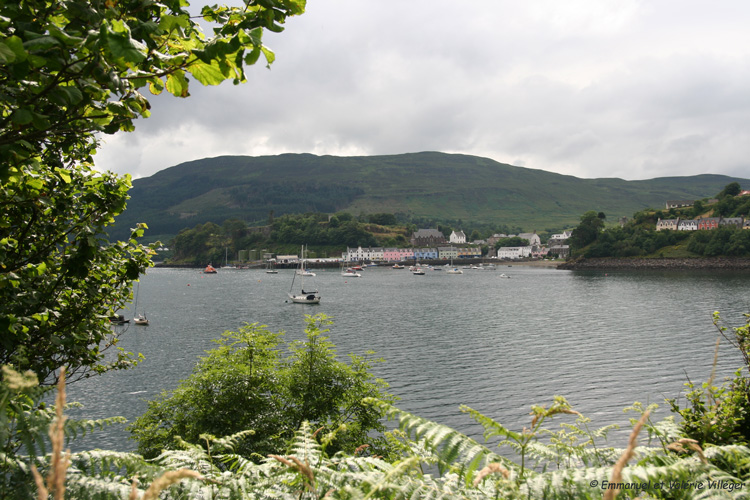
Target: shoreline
x,y
728,263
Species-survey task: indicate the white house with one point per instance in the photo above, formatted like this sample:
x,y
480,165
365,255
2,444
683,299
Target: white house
x,y
457,237
514,252
687,225
360,254
663,224
559,239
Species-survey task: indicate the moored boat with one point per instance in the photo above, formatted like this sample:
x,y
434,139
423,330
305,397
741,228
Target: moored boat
x,y
303,297
350,273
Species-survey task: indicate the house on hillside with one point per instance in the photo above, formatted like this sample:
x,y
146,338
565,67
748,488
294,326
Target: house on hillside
x,y
746,225
679,203
427,237
560,251
731,221
667,224
687,225
708,223
532,238
458,238
559,239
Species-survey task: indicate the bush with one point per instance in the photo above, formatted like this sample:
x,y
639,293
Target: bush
x,y
249,383
720,415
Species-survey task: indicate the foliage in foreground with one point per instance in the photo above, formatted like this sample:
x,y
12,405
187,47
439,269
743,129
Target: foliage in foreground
x,y
71,71
720,414
249,382
569,462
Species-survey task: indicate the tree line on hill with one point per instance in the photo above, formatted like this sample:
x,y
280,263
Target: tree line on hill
x,y
639,236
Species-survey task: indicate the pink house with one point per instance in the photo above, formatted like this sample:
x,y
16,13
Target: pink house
x,y
397,254
708,223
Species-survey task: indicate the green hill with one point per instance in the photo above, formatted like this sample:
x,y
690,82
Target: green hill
x,y
432,185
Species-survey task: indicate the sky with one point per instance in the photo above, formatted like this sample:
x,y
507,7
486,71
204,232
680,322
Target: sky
x,y
590,88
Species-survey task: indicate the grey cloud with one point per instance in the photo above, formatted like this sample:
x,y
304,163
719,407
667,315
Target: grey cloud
x,y
610,88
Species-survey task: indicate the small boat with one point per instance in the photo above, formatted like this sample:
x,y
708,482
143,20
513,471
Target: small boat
x,y
357,268
350,273
397,266
452,269
226,260
271,267
303,297
305,272
209,269
118,319
418,271
139,319
503,276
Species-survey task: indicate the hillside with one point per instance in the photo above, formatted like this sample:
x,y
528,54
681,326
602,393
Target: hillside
x,y
432,185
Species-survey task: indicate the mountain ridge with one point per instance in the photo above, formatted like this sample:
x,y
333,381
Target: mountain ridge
x,y
427,185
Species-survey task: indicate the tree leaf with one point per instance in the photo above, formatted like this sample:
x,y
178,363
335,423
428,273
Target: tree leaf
x,y
207,74
177,84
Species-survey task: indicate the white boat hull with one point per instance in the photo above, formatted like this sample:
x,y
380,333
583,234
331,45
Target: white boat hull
x,y
308,298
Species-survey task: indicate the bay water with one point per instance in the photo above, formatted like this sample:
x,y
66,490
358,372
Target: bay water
x,y
602,339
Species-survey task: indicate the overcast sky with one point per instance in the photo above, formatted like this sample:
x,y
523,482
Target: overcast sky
x,y
591,88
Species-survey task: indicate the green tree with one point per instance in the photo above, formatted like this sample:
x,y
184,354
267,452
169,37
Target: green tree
x,y
698,209
587,231
731,189
70,71
249,383
513,241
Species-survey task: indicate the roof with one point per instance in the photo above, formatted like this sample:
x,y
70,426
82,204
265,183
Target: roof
x,y
427,233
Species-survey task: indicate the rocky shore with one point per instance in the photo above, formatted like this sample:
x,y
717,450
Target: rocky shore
x,y
645,264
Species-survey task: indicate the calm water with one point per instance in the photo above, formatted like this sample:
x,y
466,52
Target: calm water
x,y
602,340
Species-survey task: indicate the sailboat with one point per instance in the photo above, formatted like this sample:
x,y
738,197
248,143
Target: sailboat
x,y
226,260
303,297
303,271
453,270
349,272
139,319
271,267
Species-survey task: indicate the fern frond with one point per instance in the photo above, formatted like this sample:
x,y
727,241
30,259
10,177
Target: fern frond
x,y
491,427
452,448
304,446
102,463
79,428
84,487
